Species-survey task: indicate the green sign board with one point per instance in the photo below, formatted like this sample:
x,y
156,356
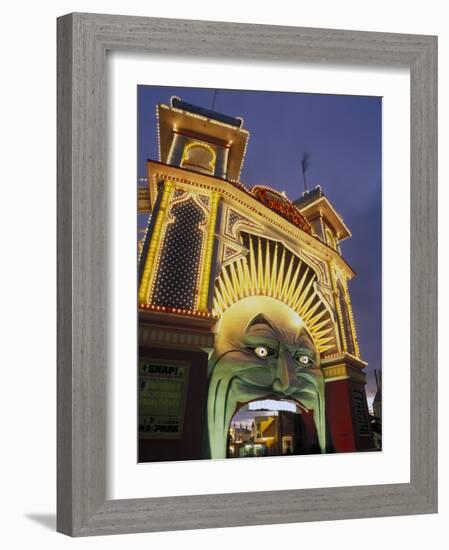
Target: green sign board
x,y
162,395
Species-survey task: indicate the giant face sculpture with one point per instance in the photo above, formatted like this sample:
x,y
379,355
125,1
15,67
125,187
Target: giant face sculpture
x,y
262,350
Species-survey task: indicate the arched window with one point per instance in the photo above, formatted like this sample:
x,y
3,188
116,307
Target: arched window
x,y
180,259
199,157
330,239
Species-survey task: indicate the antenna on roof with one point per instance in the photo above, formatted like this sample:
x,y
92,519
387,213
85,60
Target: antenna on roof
x,y
213,99
304,168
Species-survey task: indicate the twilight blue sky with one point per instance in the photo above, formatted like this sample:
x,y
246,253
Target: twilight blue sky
x,y
342,135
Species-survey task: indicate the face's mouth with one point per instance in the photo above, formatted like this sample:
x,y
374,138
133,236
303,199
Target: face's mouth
x,y
271,426
233,386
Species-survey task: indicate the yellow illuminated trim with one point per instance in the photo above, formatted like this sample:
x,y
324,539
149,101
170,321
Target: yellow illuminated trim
x,y
343,371
206,264
340,315
201,145
248,203
150,267
336,372
338,308
332,209
352,323
249,276
331,239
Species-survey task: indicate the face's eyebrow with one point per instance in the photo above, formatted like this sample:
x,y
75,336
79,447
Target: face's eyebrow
x,y
261,320
305,340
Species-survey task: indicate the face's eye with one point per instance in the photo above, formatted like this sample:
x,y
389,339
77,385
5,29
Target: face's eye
x,y
304,360
261,351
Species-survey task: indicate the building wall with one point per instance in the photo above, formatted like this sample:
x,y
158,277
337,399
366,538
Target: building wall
x,y
189,446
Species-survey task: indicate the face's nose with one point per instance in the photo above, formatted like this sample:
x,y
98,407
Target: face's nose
x,y
285,379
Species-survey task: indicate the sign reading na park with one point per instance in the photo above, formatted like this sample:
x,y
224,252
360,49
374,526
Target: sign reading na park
x,y
162,396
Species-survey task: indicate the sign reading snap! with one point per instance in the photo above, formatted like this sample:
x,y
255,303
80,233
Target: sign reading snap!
x,y
162,393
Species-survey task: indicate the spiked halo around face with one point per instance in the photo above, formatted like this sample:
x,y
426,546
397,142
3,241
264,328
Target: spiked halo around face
x,y
270,269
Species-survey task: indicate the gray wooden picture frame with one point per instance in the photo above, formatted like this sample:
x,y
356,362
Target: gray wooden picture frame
x,y
83,41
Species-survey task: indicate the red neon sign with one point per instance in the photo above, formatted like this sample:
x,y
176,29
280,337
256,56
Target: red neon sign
x,y
283,207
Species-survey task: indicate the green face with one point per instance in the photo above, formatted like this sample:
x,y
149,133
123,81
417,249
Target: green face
x,y
262,349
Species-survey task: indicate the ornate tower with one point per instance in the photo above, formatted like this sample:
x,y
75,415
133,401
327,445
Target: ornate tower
x,y
343,370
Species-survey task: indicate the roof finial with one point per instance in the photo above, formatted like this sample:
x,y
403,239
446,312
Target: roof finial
x,y
304,168
213,99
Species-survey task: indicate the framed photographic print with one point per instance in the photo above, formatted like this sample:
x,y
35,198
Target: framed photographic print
x,y
247,274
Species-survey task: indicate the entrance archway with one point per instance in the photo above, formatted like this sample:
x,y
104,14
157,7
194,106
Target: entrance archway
x,y
271,427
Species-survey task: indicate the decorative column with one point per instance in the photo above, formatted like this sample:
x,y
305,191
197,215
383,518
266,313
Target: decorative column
x,y
346,408
146,283
208,248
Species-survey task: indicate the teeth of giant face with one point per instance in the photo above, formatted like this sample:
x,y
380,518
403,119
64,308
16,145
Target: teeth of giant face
x,y
272,405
